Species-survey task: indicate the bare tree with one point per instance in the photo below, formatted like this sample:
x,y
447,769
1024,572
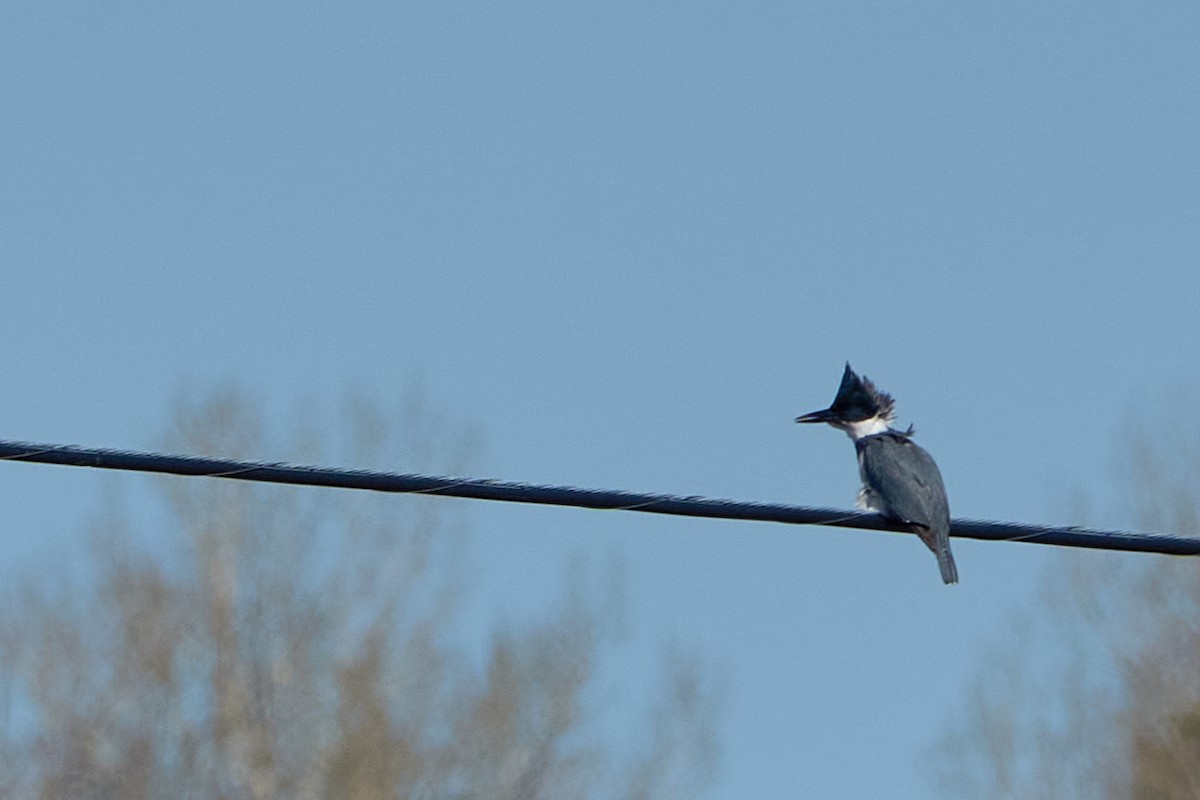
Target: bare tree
x,y
266,642
1097,693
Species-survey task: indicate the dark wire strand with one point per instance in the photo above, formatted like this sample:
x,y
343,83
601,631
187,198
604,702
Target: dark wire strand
x,y
507,491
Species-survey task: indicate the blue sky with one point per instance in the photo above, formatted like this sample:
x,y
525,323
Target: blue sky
x,y
629,242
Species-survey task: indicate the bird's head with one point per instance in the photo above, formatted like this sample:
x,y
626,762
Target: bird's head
x,y
859,408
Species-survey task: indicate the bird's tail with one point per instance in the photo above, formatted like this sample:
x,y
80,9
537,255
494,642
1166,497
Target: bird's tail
x,y
946,564
937,539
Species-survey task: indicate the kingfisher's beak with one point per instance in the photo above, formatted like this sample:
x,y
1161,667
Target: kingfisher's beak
x,y
824,415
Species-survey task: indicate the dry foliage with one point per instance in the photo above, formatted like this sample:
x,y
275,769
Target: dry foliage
x,y
1097,692
282,643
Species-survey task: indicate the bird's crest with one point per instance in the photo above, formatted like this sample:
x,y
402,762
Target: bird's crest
x,y
858,397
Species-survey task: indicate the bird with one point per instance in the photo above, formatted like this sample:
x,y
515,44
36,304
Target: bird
x,y
899,479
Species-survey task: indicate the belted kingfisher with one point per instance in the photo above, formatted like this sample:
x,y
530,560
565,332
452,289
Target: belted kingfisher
x,y
900,480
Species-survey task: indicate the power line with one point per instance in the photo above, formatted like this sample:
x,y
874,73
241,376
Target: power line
x,y
482,489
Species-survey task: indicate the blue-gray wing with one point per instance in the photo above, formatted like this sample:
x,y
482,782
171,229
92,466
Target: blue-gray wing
x,y
905,484
906,479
